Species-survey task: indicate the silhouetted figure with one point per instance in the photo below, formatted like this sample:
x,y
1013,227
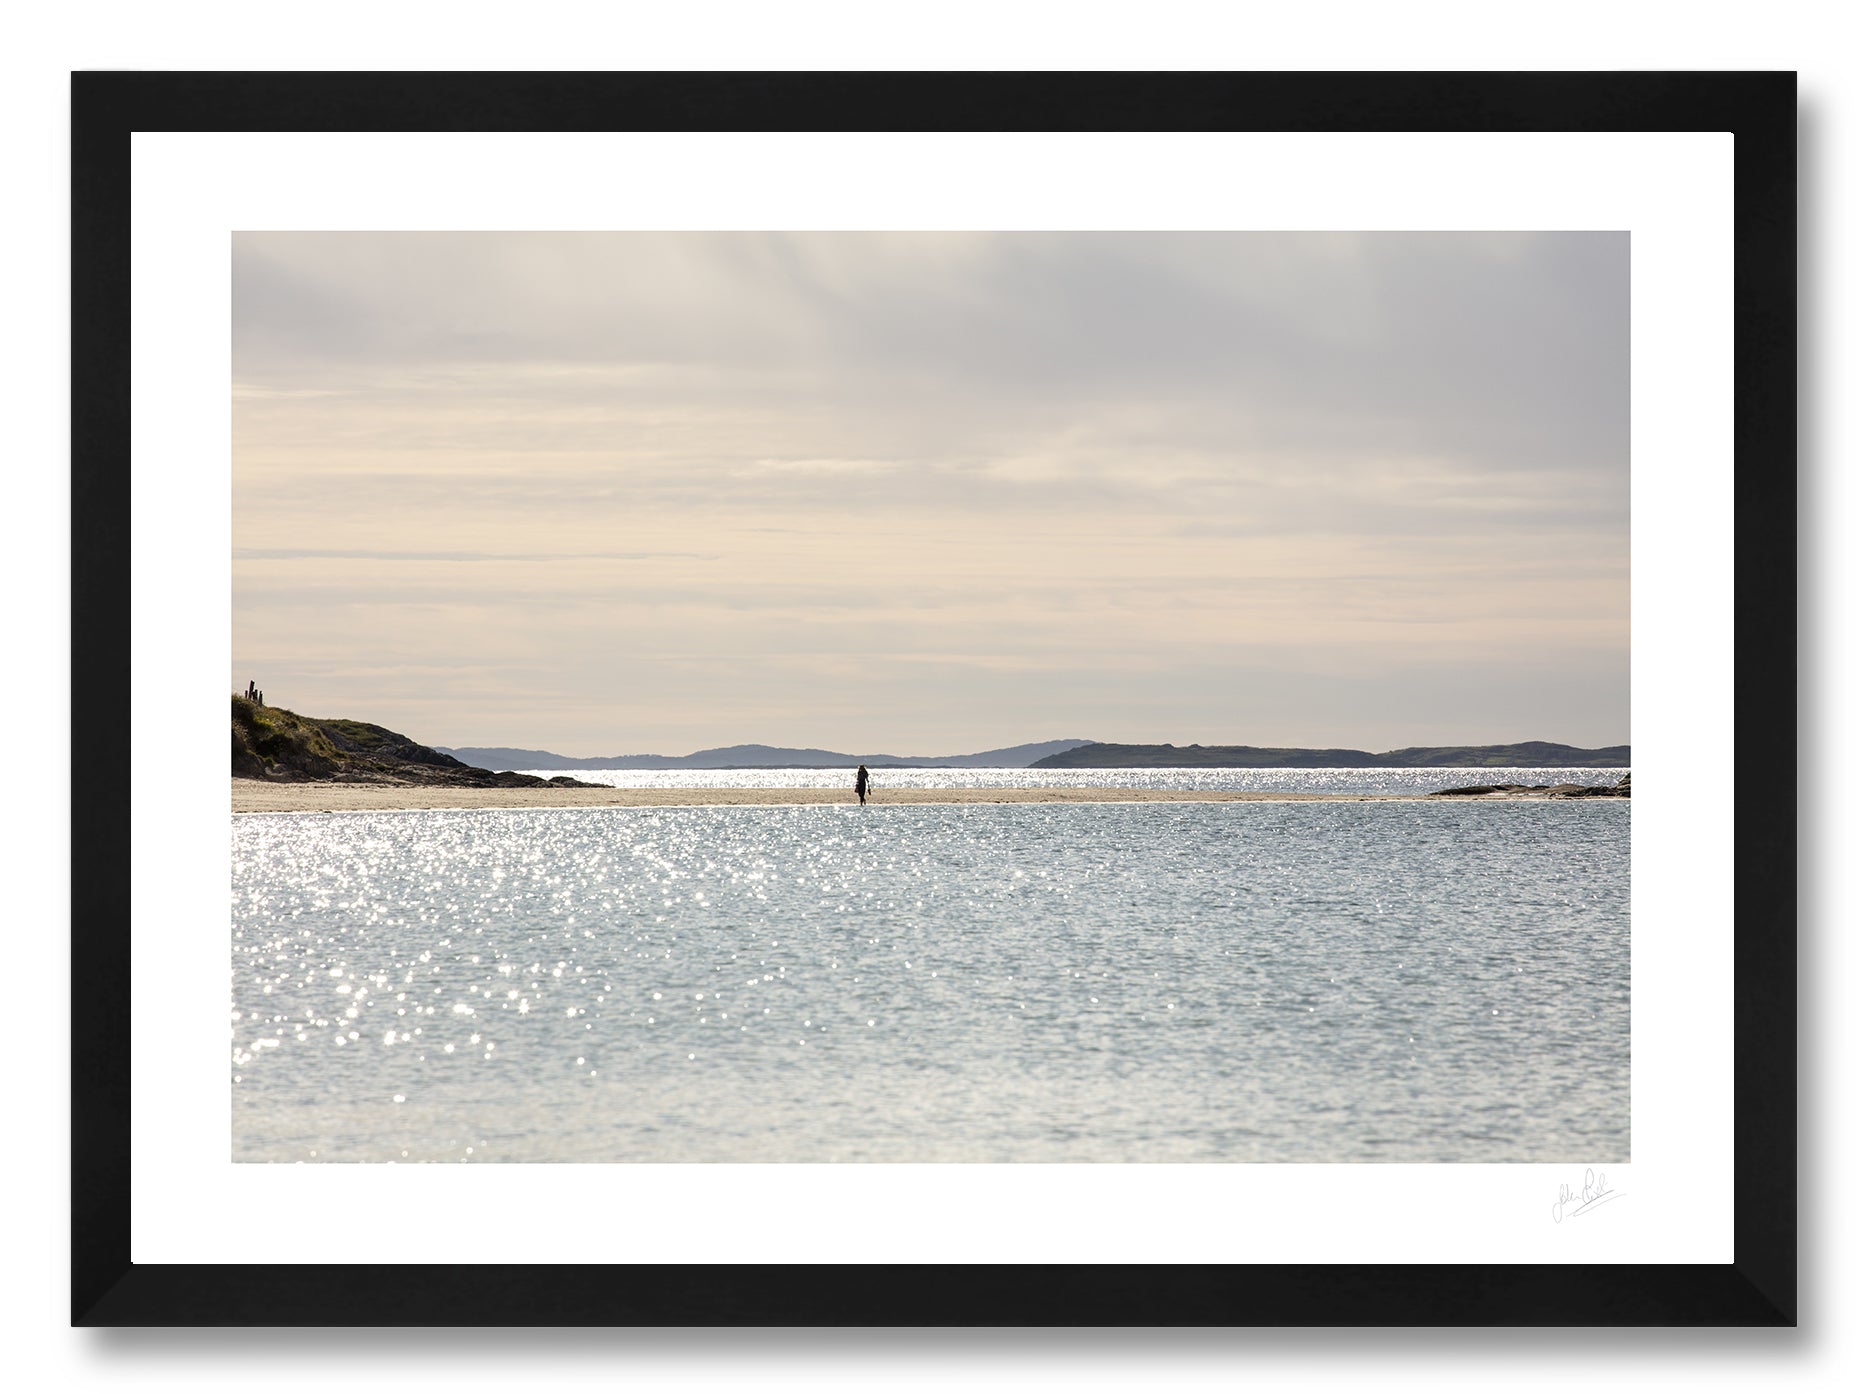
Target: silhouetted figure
x,y
863,783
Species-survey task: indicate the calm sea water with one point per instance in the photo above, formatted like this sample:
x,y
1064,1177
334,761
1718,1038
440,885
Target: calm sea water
x,y
1341,781
1122,982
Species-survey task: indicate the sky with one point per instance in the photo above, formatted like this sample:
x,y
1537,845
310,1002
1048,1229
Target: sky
x,y
929,494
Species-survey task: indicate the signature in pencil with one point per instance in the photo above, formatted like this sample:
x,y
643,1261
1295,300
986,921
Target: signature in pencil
x,y
1576,1201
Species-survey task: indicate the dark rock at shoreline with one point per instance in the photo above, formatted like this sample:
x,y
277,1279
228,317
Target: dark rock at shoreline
x,y
1620,790
408,773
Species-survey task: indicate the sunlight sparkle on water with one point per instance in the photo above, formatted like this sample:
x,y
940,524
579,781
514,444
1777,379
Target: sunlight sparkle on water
x,y
1097,982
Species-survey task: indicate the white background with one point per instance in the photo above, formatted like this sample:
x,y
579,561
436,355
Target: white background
x,y
1673,193
540,35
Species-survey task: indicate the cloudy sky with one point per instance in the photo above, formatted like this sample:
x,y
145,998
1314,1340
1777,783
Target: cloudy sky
x,y
929,494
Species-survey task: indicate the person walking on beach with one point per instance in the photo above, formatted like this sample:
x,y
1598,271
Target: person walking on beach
x,y
863,783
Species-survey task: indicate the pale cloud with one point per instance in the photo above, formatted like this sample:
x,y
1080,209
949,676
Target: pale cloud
x,y
628,492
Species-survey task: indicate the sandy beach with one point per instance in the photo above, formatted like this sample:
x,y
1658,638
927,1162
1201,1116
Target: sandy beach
x,y
255,796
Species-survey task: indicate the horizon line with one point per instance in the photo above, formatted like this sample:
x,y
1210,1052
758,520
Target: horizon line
x,y
1075,741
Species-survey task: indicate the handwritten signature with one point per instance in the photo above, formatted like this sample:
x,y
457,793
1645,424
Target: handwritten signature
x,y
1594,1193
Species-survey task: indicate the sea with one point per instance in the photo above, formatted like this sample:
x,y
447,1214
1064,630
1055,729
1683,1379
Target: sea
x,y
1115,982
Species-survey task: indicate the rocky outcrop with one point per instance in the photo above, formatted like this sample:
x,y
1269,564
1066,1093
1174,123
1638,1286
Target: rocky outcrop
x,y
273,744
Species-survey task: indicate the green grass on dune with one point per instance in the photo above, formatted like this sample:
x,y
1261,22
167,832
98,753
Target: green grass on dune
x,y
268,737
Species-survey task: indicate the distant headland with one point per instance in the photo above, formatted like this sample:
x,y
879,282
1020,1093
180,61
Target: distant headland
x,y
1524,755
756,757
1067,755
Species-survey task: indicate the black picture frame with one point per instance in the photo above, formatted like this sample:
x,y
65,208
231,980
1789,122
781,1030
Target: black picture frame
x,y
1757,1289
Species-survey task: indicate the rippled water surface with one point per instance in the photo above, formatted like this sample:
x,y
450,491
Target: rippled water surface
x,y
1180,982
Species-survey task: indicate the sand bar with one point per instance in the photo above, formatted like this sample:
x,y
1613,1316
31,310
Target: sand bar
x,y
257,796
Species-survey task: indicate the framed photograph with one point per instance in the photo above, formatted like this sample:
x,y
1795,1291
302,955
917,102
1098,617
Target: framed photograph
x,y
962,670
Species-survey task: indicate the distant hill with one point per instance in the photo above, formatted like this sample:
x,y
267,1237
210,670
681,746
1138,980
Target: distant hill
x,y
1526,754
752,757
